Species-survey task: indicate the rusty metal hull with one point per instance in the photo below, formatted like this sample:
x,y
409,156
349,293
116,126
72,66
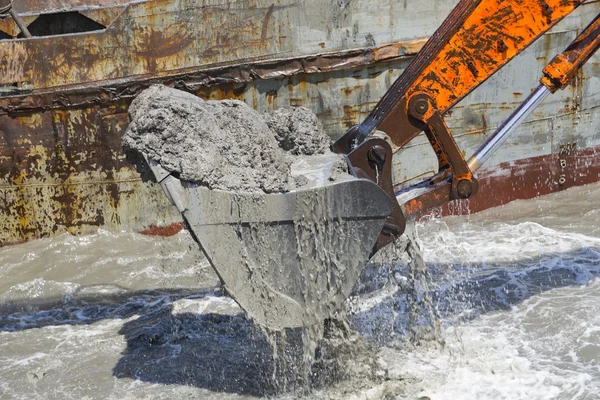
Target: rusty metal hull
x,y
64,99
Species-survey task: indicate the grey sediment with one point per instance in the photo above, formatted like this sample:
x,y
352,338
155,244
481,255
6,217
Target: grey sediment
x,y
223,145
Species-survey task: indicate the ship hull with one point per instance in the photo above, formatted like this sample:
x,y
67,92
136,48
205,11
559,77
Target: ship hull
x,y
64,100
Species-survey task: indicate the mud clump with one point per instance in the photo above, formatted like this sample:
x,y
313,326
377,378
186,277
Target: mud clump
x,y
298,131
339,168
222,145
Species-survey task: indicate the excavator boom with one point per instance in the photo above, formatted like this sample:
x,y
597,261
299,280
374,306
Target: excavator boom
x,y
474,42
477,39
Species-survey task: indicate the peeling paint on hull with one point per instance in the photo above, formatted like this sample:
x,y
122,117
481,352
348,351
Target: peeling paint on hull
x,y
64,100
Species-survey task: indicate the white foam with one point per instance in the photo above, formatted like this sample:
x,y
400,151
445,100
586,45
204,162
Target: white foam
x,y
546,346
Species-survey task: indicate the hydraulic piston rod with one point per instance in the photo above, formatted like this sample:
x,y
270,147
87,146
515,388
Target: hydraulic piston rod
x,y
490,146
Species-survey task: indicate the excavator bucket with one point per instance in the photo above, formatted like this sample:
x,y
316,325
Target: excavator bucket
x,y
289,260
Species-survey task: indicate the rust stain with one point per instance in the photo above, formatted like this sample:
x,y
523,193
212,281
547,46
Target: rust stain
x,y
162,42
349,116
265,27
484,126
63,171
271,97
506,182
48,5
62,168
13,62
169,230
107,90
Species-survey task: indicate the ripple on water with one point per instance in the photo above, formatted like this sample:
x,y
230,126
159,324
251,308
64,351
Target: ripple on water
x,y
126,316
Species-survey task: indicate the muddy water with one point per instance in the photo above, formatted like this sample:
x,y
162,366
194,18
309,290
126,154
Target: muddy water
x,y
514,293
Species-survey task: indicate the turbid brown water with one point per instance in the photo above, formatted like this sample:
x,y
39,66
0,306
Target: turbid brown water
x,y
123,316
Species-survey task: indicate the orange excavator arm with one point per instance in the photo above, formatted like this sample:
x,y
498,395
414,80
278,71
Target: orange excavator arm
x,y
474,42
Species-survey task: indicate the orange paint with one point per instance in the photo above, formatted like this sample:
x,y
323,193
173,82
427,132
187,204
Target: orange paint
x,y
564,67
169,230
486,36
